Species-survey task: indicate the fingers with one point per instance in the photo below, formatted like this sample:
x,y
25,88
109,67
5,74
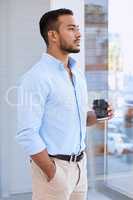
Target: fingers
x,y
110,111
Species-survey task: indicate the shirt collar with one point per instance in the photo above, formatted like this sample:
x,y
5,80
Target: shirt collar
x,y
57,62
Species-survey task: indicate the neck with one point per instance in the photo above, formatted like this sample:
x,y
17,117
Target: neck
x,y
63,57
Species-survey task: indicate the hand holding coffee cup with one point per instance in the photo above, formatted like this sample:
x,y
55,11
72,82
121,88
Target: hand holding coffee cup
x,y
100,107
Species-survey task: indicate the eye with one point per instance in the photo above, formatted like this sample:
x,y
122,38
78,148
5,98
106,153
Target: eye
x,y
72,29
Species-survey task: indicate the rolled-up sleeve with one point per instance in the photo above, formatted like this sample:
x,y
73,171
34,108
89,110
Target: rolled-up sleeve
x,y
32,97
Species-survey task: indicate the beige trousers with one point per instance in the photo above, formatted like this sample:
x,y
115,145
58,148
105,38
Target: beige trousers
x,y
69,182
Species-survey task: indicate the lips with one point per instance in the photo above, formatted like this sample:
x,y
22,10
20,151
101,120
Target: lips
x,y
77,42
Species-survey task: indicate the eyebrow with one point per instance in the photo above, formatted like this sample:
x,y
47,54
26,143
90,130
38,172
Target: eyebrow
x,y
73,25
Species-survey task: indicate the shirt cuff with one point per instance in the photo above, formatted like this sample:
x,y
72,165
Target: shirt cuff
x,y
31,142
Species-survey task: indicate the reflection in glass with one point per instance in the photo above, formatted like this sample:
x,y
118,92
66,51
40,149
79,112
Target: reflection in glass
x,y
120,128
109,75
96,53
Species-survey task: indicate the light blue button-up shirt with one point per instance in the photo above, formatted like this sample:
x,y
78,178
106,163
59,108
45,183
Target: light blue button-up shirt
x,y
51,108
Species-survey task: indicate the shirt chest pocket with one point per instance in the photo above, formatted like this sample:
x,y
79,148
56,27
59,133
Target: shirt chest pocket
x,y
64,97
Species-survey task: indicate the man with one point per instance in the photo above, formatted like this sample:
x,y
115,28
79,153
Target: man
x,y
53,111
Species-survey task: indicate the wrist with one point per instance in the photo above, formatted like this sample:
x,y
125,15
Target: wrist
x,y
51,170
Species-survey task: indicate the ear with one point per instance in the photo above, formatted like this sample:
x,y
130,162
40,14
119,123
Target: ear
x,y
52,36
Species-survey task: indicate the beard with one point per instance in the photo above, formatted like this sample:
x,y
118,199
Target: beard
x,y
68,48
71,50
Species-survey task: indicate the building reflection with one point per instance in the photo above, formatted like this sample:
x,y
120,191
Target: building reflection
x,y
110,145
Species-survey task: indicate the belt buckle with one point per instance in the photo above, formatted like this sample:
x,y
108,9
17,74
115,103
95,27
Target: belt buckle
x,y
73,158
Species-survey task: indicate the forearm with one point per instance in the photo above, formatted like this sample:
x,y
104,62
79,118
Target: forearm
x,y
91,118
43,160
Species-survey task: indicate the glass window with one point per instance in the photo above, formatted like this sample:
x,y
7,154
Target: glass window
x,y
96,60
120,158
109,75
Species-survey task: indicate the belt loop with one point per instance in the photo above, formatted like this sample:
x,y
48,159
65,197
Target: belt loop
x,y
71,158
75,158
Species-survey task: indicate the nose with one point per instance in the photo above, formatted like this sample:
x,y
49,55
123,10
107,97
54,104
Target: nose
x,y
78,34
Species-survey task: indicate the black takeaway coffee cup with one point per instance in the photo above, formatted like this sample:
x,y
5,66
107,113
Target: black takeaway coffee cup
x,y
100,107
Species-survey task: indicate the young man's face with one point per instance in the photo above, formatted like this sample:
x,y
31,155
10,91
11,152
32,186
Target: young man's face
x,y
68,34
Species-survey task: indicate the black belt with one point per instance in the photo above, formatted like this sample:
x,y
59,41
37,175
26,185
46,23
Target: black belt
x,y
73,157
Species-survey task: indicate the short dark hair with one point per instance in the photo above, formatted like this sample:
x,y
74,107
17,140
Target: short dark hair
x,y
49,21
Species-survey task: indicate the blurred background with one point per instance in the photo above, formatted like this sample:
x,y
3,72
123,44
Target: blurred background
x,y
106,58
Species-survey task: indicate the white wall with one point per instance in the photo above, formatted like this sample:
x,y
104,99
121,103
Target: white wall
x,y
21,45
4,183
